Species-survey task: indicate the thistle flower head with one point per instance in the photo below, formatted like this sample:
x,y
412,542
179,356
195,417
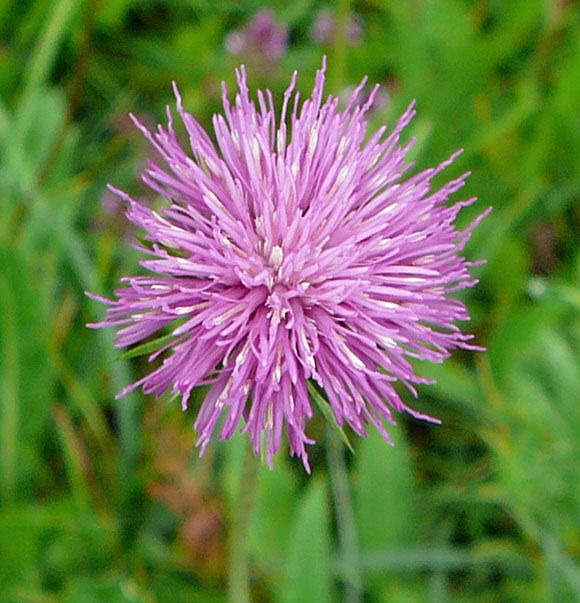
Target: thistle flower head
x,y
292,256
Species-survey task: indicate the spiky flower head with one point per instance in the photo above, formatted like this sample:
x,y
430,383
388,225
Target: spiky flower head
x,y
292,260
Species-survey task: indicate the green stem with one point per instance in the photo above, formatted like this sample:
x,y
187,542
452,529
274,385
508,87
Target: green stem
x,y
9,408
239,561
346,524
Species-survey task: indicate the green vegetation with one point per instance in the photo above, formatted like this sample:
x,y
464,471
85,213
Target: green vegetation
x,y
107,501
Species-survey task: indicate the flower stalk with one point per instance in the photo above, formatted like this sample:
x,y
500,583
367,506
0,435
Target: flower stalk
x,y
345,520
243,514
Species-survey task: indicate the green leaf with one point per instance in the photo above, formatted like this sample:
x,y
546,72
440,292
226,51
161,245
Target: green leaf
x,y
444,558
43,55
277,494
25,375
307,571
384,499
41,542
562,572
519,334
384,484
326,410
147,347
455,385
84,589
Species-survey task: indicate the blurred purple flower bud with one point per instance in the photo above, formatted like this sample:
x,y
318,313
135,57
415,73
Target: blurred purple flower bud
x,y
262,38
235,42
323,29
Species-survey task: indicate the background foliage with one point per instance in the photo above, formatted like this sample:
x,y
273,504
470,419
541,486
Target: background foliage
x,y
105,500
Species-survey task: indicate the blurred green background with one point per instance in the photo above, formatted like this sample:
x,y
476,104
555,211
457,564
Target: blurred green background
x,y
107,501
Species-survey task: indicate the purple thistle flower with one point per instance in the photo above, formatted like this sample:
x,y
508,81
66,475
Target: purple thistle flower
x,y
293,255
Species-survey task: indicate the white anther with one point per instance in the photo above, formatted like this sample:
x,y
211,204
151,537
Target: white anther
x,y
276,256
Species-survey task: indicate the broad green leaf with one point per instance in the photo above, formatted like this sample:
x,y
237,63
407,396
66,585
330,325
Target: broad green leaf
x,y
384,492
277,495
307,564
384,499
25,376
